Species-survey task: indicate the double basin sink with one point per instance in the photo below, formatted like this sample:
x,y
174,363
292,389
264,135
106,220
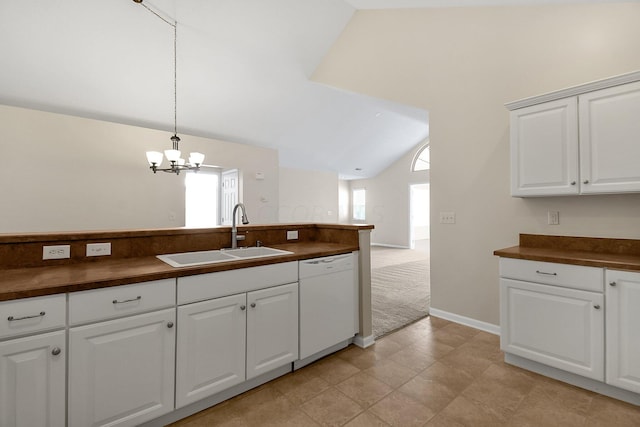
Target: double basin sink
x,y
190,259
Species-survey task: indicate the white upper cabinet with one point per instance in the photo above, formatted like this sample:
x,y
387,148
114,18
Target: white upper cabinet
x,y
581,140
610,140
544,149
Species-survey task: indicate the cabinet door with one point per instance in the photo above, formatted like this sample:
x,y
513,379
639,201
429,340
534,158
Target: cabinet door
x,y
556,326
211,347
544,149
272,328
121,372
610,140
32,381
623,329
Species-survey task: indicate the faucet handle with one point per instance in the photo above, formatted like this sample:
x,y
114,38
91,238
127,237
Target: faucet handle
x,y
258,243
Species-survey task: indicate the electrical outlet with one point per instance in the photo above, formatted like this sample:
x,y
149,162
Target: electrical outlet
x,y
292,235
98,249
56,252
447,217
553,217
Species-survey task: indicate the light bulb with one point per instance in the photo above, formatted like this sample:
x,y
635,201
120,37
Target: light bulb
x,y
154,157
196,158
172,155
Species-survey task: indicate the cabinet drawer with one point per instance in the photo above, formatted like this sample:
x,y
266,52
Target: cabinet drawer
x,y
550,273
118,301
29,315
213,285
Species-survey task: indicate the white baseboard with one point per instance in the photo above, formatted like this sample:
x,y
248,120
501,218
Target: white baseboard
x,y
364,342
467,321
390,246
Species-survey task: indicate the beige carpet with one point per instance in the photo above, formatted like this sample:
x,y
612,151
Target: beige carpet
x,y
400,291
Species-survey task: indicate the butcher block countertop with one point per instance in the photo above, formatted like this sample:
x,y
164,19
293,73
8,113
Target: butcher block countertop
x,y
617,254
127,265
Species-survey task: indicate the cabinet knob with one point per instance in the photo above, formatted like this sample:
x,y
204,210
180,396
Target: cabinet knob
x,y
56,351
573,183
612,283
253,305
586,181
597,306
170,325
242,307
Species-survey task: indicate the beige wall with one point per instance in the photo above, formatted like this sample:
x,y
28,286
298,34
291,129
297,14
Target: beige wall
x,y
68,173
388,200
308,196
462,65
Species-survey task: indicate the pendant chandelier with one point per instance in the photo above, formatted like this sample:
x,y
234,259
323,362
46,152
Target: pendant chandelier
x,y
176,163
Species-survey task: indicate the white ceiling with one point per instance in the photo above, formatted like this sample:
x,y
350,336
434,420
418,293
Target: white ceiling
x,y
243,74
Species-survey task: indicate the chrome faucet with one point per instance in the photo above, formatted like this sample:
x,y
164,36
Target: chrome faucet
x,y
234,229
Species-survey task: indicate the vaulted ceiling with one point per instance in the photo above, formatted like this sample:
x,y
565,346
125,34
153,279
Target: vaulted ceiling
x,y
244,70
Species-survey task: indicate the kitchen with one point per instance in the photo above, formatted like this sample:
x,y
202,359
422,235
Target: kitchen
x,y
460,64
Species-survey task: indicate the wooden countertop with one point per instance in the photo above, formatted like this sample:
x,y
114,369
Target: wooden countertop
x,y
618,254
38,281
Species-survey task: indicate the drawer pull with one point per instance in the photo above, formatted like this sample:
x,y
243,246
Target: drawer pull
x,y
242,307
545,273
138,298
56,351
12,319
170,325
612,283
253,305
597,307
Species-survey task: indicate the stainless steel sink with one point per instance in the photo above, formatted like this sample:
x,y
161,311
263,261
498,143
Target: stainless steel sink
x,y
189,259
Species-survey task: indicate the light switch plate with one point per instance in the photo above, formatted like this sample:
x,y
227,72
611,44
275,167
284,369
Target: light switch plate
x,y
553,217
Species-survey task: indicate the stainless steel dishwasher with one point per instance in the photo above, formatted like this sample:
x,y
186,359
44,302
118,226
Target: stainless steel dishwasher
x,y
328,304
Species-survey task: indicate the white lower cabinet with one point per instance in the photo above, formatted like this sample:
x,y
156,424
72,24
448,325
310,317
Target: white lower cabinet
x,y
623,329
224,341
33,376
272,328
210,348
121,372
553,325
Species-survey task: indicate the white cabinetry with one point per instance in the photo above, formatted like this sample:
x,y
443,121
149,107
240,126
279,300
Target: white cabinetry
x,y
582,140
272,328
33,368
558,324
210,348
32,381
544,149
121,371
610,140
234,326
623,329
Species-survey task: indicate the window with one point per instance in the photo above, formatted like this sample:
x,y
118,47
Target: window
x,y
421,162
358,203
202,191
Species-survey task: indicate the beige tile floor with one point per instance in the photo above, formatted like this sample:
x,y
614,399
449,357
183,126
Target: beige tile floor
x,y
430,373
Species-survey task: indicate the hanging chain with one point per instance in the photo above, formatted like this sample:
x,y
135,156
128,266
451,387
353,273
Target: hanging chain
x,y
175,78
174,24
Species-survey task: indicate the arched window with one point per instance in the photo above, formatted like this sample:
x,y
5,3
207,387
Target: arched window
x,y
421,161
